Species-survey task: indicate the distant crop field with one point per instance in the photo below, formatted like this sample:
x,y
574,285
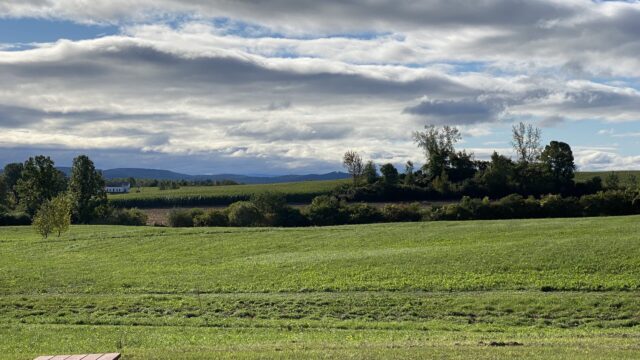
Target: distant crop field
x,y
625,176
153,197
547,289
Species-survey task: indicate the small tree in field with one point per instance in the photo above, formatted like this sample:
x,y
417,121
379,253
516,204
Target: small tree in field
x,y
353,163
53,216
43,221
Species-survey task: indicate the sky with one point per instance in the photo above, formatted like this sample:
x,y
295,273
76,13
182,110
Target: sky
x,y
287,86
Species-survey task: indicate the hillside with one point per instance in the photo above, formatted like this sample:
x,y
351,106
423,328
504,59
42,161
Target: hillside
x,y
625,176
534,288
150,197
139,173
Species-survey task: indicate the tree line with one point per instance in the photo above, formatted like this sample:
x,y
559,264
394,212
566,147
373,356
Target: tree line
x,y
172,184
451,174
35,191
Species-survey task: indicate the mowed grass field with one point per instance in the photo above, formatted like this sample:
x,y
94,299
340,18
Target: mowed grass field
x,y
303,191
547,289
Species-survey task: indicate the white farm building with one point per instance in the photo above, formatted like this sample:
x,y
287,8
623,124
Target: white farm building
x,y
118,188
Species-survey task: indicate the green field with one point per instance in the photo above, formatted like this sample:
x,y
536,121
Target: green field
x,y
553,288
303,191
625,176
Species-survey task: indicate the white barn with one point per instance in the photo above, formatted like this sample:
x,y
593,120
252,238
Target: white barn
x,y
118,188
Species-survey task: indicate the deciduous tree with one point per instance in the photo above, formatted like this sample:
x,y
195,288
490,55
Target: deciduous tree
x,y
438,144
389,174
39,181
353,163
559,160
87,189
370,172
526,142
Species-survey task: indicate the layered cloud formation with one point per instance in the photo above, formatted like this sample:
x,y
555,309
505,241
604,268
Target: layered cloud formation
x,y
280,86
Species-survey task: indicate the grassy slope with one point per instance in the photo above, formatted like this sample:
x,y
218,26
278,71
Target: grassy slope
x,y
624,175
403,290
302,187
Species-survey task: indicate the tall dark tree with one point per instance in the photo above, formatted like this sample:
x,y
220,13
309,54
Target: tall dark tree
x,y
462,166
39,181
3,194
370,172
86,188
12,173
389,174
559,160
498,177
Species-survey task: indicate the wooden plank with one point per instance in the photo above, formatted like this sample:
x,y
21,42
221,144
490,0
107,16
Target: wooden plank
x,y
60,357
110,356
76,357
46,357
92,357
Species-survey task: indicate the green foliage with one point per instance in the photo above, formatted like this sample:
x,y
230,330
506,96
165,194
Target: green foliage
x,y
559,159
327,210
87,189
364,214
612,181
370,173
389,174
409,176
269,203
130,217
526,142
515,206
183,217
211,218
500,177
39,181
244,213
53,216
438,145
402,212
12,173
275,211
4,194
353,163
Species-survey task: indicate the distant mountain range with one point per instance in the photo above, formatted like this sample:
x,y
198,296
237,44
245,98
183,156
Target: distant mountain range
x,y
245,179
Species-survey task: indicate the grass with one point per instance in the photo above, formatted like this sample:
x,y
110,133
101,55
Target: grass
x,y
303,191
625,176
553,288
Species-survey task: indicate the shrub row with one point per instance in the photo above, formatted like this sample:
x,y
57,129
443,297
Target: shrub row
x,y
271,210
609,203
199,200
129,217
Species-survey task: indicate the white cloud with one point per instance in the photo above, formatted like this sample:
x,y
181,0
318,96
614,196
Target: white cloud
x,y
236,90
602,160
